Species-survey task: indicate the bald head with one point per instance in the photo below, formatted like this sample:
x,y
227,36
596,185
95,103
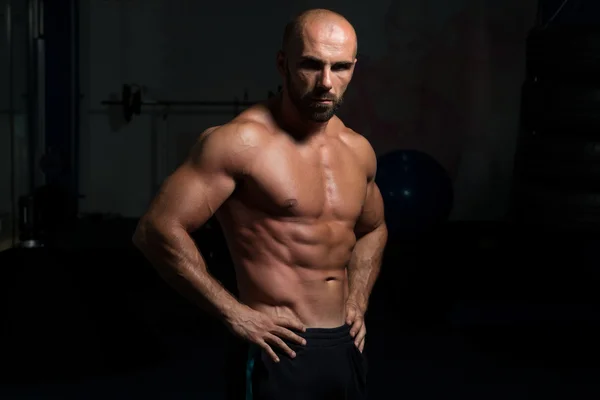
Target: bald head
x,y
317,62
317,24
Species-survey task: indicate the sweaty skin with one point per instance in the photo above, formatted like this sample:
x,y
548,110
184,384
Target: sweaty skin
x,y
290,224
293,189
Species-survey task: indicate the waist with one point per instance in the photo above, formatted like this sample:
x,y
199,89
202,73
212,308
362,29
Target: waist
x,y
325,337
320,313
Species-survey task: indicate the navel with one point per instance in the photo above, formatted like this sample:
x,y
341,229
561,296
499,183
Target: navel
x,y
290,203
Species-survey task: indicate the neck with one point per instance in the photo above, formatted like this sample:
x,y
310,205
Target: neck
x,y
294,123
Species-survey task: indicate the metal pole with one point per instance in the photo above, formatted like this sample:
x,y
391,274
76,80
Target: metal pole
x,y
41,88
36,90
31,93
11,121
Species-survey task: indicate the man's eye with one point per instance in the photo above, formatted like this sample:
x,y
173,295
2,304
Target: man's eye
x,y
341,67
311,65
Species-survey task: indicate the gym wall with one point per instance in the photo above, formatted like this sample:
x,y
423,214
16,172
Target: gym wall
x,y
443,77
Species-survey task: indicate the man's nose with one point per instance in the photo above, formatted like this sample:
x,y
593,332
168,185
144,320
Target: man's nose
x,y
324,80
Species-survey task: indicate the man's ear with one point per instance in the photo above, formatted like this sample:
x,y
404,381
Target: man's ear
x,y
281,67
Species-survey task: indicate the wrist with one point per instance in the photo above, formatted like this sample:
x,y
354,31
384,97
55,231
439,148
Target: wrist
x,y
230,311
359,301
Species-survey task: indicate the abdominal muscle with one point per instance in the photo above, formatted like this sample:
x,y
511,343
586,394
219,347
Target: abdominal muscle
x,y
294,269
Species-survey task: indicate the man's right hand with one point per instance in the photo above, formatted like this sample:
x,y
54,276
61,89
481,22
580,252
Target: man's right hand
x,y
265,331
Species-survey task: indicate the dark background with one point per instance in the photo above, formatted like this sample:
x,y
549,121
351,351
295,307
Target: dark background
x,y
489,282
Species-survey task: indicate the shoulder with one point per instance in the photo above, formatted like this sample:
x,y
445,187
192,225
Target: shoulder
x,y
232,146
362,149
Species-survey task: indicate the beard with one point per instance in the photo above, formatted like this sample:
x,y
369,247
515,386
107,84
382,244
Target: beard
x,y
311,109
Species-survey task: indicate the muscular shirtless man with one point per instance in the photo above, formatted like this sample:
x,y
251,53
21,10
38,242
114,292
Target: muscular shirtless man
x,y
293,189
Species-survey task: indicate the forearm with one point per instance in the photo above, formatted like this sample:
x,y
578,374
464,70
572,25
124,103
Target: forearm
x,y
365,265
178,261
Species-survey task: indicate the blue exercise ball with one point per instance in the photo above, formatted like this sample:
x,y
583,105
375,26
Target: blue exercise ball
x,y
417,191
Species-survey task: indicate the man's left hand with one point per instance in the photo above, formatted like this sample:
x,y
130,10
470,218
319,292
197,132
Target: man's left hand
x,y
356,319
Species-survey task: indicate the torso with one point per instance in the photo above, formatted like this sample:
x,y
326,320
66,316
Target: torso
x,y
290,224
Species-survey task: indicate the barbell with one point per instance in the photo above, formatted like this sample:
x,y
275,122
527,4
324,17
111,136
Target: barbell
x,y
132,102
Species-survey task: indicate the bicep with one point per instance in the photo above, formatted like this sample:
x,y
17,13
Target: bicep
x,y
372,214
189,197
193,193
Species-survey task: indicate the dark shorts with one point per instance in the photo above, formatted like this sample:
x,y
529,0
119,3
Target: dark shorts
x,y
328,367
